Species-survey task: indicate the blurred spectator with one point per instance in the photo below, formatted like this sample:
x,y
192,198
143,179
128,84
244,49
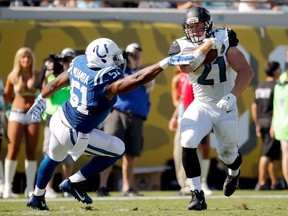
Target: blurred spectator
x,y
126,121
5,3
156,4
187,5
280,119
262,110
54,66
244,6
20,91
280,7
124,4
46,3
65,3
89,4
18,3
2,132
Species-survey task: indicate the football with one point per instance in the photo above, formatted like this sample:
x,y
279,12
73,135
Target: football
x,y
210,57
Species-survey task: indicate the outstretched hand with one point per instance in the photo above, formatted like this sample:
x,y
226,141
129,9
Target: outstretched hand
x,y
181,60
37,109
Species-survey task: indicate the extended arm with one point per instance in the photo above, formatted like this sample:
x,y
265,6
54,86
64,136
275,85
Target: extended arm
x,y
133,81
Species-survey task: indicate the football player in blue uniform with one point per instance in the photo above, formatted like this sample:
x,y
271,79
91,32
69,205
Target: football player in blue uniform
x,y
95,79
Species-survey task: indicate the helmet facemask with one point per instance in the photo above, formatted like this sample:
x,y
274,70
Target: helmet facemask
x,y
194,16
120,61
195,34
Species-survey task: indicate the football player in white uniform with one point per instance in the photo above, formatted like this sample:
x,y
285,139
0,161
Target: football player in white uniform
x,y
216,86
95,79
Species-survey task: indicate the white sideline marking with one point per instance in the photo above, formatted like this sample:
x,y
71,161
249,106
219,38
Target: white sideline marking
x,y
157,198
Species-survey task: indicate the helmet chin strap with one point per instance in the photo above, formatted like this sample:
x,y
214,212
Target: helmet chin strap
x,y
197,40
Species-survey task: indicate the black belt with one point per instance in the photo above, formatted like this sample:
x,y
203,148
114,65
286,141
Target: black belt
x,y
131,114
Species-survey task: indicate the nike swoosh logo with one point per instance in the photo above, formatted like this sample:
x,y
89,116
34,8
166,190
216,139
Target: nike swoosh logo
x,y
81,198
228,111
43,204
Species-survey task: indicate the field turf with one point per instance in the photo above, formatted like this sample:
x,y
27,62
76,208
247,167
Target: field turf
x,y
158,203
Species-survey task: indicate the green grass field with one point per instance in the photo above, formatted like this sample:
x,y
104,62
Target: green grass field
x,y
158,203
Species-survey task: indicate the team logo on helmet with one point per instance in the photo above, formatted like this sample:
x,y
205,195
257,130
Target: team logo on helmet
x,y
97,51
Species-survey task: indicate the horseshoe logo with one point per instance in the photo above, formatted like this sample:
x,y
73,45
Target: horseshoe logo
x,y
97,51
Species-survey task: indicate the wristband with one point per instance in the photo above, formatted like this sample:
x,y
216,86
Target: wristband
x,y
199,58
164,63
40,97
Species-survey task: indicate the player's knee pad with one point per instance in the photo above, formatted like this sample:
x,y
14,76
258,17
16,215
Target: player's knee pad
x,y
118,146
237,162
189,139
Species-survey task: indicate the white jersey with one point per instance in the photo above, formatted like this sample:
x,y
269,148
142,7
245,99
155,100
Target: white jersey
x,y
210,83
214,80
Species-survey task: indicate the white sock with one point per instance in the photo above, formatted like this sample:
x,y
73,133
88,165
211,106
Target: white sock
x,y
30,170
38,191
233,172
10,169
1,173
194,183
77,177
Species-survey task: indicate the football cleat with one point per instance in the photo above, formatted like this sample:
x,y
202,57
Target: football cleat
x,y
231,184
198,201
37,202
76,190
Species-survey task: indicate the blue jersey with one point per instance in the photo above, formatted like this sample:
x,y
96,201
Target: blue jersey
x,y
88,106
135,102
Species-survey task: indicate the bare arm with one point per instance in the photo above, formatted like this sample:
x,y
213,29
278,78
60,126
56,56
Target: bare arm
x,y
255,118
8,90
174,89
133,81
50,88
244,72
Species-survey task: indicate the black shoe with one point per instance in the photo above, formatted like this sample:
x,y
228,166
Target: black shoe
x,y
102,192
198,201
131,193
37,202
276,187
231,184
260,187
77,190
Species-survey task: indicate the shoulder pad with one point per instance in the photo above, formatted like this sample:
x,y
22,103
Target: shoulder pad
x,y
233,40
110,74
226,35
174,49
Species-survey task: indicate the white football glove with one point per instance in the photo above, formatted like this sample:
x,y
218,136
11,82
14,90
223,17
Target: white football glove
x,y
217,44
180,60
37,109
226,102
